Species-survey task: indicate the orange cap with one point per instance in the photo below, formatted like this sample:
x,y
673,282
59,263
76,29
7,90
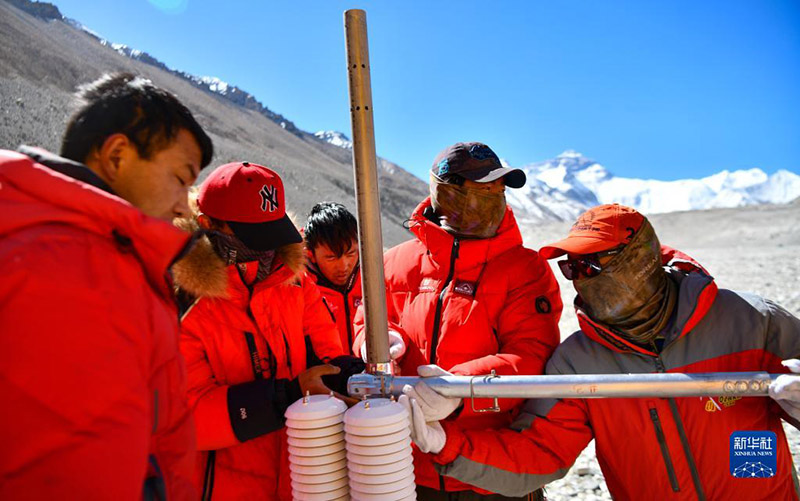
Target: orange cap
x,y
598,229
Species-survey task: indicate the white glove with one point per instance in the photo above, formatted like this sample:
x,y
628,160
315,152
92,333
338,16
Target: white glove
x,y
429,437
786,389
397,347
434,406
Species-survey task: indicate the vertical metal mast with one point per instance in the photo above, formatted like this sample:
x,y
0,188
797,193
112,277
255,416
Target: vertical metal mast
x,y
367,199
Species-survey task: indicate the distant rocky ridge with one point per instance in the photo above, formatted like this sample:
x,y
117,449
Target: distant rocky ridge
x,y
42,10
48,12
44,57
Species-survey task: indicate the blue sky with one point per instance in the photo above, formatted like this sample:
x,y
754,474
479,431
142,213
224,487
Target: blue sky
x,y
654,89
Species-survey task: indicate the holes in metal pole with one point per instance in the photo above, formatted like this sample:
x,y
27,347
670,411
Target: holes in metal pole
x,y
366,108
363,65
358,108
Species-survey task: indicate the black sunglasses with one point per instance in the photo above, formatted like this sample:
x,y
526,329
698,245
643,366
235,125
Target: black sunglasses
x,y
587,266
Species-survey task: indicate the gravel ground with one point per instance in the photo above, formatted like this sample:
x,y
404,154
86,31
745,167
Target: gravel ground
x,y
753,249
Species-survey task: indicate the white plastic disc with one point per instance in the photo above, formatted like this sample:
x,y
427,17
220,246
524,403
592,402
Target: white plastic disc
x,y
299,424
369,431
316,442
314,432
314,407
323,487
383,487
319,496
385,478
318,469
316,451
375,412
378,469
378,439
388,496
319,479
317,460
379,450
373,460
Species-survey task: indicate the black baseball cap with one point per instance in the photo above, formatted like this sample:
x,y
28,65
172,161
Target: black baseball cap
x,y
476,162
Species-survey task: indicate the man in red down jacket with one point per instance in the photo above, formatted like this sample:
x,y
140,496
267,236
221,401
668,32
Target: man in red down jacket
x,y
331,236
639,317
92,384
466,295
244,338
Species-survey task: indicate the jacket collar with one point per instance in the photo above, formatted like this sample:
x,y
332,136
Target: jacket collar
x,y
202,273
41,193
65,166
322,281
240,277
696,293
472,252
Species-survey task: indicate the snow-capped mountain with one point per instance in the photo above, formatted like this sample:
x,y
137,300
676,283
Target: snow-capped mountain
x,y
335,138
563,187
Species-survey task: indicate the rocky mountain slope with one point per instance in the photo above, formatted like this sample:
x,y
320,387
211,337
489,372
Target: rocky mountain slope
x,y
44,57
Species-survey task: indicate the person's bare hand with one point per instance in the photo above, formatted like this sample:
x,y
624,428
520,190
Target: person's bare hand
x,y
311,382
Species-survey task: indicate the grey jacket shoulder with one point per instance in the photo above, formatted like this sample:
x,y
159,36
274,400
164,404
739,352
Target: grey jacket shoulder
x,y
735,322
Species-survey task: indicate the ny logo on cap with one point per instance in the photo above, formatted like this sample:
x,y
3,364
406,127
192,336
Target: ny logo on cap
x,y
269,195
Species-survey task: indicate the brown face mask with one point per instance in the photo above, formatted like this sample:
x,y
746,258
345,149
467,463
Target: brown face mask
x,y
466,212
633,293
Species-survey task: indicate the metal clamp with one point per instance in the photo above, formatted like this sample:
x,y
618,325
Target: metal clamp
x,y
493,408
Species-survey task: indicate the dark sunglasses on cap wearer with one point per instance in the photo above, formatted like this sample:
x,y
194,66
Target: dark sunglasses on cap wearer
x,y
587,266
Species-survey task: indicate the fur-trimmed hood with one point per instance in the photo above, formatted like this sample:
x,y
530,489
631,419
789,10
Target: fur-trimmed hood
x,y
202,273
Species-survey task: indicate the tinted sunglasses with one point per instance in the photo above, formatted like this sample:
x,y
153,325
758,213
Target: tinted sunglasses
x,y
587,266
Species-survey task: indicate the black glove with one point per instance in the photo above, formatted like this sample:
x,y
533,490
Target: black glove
x,y
349,365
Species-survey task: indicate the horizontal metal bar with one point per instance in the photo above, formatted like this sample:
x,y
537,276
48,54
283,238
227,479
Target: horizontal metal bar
x,y
734,384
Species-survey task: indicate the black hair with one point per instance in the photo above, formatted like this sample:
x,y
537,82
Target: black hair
x,y
332,225
124,103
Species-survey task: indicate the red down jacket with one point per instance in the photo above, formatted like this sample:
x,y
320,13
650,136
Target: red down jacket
x,y
342,302
241,350
91,381
470,306
648,448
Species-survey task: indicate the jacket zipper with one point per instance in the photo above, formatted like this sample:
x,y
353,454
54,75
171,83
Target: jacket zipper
x,y
662,442
272,362
208,478
687,451
437,318
348,323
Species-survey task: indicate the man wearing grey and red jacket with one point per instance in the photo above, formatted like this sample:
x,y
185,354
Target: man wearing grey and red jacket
x,y
636,318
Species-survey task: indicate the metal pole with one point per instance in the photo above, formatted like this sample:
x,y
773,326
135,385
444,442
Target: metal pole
x,y
751,384
368,201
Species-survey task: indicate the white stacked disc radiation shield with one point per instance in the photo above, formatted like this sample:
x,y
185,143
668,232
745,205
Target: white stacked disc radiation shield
x,y
317,453
379,462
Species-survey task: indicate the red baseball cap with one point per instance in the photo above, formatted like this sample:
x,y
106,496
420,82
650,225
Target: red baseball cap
x,y
598,229
250,198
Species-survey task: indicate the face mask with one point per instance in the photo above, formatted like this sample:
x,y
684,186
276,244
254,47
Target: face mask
x,y
632,294
233,251
467,212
